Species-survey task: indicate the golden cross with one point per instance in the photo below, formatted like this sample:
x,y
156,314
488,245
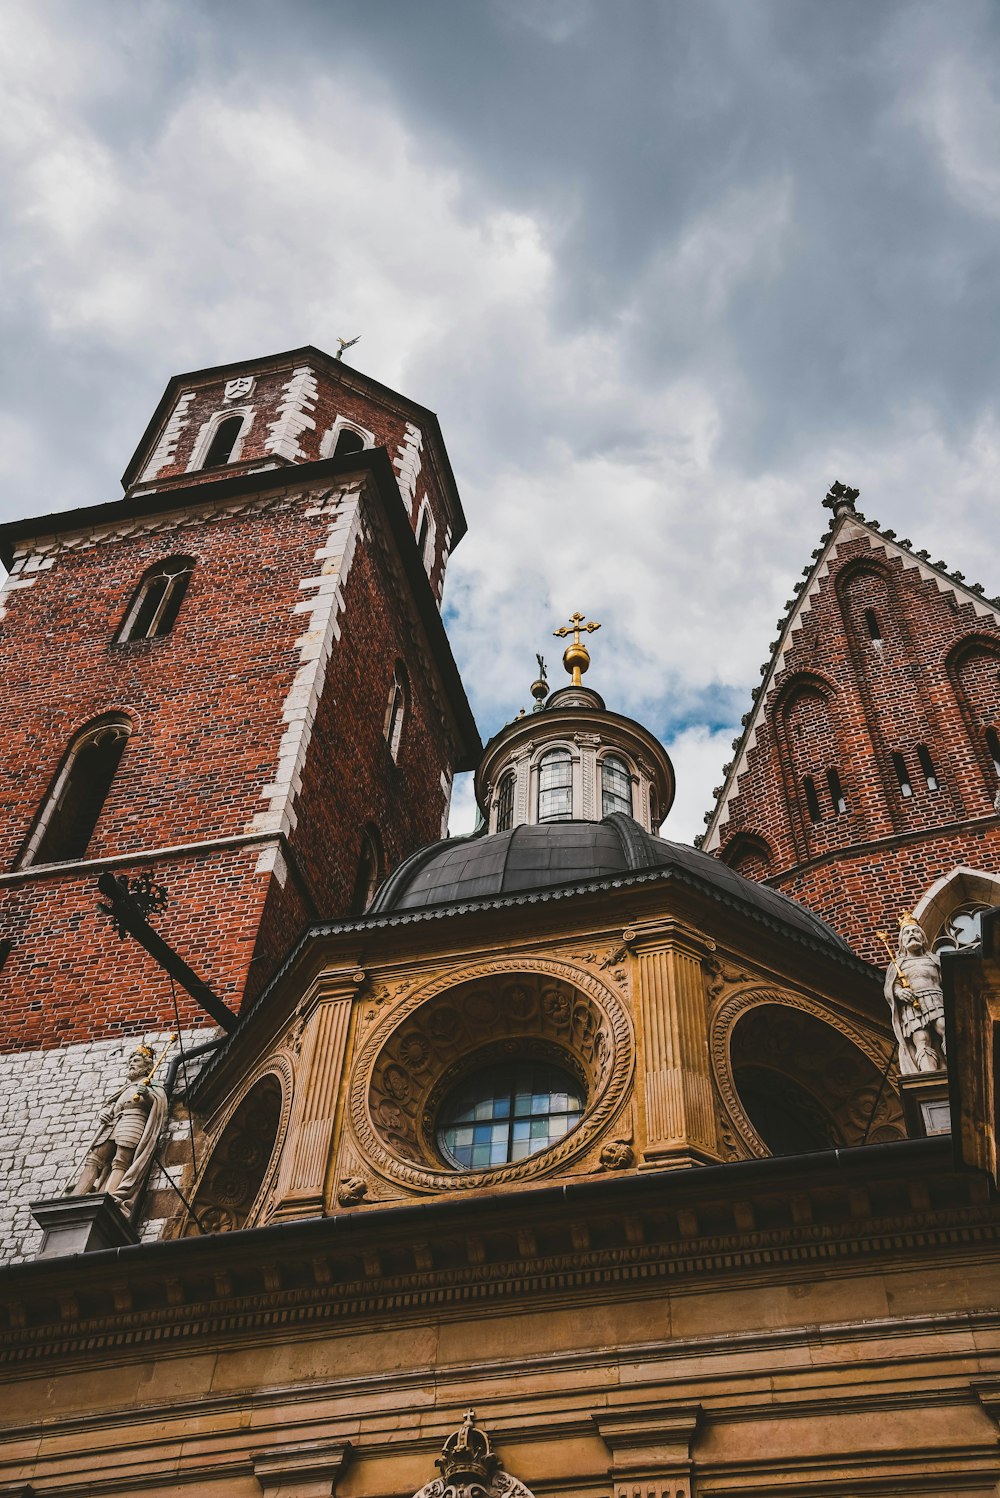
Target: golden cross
x,y
575,625
576,657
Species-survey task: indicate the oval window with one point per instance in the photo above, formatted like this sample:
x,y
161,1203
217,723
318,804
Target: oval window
x,y
506,1113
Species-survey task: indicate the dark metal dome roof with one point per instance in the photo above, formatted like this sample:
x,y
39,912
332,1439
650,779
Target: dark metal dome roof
x,y
542,857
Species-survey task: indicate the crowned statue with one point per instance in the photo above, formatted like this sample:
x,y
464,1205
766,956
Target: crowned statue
x,y
130,1122
914,994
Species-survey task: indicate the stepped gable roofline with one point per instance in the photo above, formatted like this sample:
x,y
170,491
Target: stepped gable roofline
x,y
346,374
848,524
373,461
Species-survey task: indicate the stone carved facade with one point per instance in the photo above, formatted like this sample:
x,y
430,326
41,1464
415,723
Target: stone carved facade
x,y
497,1010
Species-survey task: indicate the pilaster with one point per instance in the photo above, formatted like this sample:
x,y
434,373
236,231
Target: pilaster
x,y
650,1451
300,1190
680,1121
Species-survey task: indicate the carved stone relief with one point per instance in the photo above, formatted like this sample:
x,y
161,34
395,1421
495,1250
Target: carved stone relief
x,y
500,1010
837,1065
240,1170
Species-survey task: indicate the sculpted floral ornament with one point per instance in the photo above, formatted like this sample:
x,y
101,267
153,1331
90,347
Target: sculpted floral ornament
x,y
470,1468
500,1011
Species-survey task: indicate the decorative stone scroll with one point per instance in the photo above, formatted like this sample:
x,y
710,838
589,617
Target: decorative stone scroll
x,y
499,1012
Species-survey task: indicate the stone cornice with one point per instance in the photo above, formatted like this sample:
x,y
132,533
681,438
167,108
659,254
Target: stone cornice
x,y
308,1275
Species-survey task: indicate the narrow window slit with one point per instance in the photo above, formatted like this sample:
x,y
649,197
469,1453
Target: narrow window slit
x,y
837,799
902,776
927,766
812,800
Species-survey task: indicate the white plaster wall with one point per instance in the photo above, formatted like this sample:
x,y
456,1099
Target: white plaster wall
x,y
48,1115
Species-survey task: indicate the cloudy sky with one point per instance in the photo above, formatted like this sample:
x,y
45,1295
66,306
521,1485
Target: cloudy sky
x,y
664,269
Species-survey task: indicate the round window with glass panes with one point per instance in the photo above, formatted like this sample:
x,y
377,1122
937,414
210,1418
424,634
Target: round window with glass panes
x,y
507,1112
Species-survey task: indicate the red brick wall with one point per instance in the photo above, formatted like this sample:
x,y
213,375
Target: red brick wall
x,y
206,702
847,702
335,398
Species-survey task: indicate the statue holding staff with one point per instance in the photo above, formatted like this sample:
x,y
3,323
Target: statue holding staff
x,y
914,995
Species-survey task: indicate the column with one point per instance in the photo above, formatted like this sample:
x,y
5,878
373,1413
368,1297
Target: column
x,y
300,1190
680,1122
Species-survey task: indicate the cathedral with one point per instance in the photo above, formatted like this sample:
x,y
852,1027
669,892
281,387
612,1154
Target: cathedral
x,y
342,1158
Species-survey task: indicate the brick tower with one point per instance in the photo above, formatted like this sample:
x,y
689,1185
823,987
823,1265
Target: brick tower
x,y
235,679
866,778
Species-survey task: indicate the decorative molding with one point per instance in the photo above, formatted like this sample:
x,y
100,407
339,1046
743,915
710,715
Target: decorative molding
x,y
307,1470
722,1025
41,551
335,1299
208,429
415,1054
279,1066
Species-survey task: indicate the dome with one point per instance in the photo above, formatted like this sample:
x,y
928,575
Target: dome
x,y
544,856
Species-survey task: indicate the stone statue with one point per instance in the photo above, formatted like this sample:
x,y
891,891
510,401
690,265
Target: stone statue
x,y
913,991
129,1125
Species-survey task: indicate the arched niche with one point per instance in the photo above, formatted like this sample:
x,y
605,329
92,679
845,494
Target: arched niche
x,y
236,1171
801,1084
749,854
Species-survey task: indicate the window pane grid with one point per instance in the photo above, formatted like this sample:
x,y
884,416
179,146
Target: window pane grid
x,y
616,786
509,1113
555,787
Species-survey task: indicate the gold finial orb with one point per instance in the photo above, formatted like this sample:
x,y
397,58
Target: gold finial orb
x,y
576,656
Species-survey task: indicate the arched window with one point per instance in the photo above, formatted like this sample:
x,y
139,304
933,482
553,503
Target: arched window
x,y
837,800
616,786
505,802
555,786
902,776
76,798
348,441
222,444
927,766
371,867
653,820
157,600
399,701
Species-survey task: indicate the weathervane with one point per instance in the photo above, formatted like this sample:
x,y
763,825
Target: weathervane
x,y
540,687
576,656
346,343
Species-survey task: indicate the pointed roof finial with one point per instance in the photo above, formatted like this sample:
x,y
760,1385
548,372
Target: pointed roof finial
x,y
841,499
576,656
540,687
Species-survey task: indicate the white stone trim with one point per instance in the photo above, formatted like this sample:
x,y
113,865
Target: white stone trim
x,y
138,855
343,424
447,781
429,553
208,429
298,399
165,450
851,529
407,464
322,630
